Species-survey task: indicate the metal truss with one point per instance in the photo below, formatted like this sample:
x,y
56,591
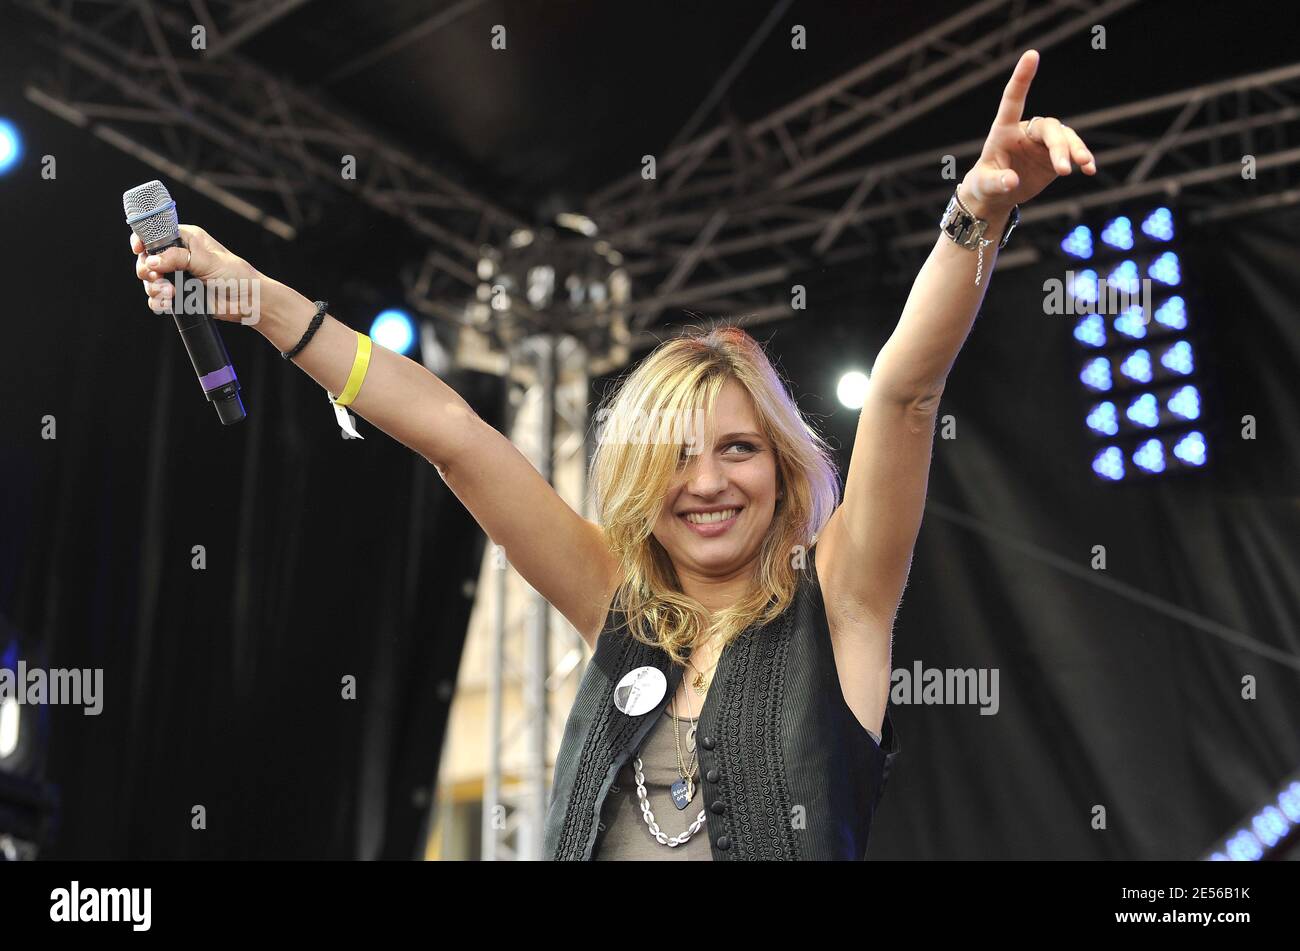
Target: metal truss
x,y
860,107
216,121
1208,131
735,213
533,678
748,178
231,22
890,208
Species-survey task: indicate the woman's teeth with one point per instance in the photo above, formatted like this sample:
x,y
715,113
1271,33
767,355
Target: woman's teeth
x,y
704,518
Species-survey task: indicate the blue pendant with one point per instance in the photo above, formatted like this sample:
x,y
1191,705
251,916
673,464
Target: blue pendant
x,y
682,793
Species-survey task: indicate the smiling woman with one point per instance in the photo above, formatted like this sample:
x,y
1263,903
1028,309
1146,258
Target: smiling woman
x,y
714,540
691,582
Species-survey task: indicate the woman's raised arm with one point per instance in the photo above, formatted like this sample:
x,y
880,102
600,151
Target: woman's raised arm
x,y
868,541
562,555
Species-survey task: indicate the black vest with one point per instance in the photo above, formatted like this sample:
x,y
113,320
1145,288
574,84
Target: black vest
x,y
786,769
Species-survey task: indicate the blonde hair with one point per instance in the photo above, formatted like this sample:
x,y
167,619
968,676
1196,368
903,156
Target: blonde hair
x,y
630,478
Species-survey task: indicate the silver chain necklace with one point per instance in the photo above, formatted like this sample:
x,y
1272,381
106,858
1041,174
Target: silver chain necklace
x,y
644,798
671,841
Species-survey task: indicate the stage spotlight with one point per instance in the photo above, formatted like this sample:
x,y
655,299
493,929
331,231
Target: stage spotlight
x,y
19,743
576,222
1138,355
1132,322
1172,313
1104,418
1118,233
11,146
1159,225
29,805
1091,331
1150,456
10,721
852,389
1137,366
1289,800
393,330
1084,286
1144,410
1166,269
1270,826
541,286
1266,834
1109,464
1244,847
1096,374
1185,402
577,290
1125,277
1078,243
1178,358
1191,449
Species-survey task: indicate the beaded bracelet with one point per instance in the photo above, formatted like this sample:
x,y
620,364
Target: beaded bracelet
x,y
316,321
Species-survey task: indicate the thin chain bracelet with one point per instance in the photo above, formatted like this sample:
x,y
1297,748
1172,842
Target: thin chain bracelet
x,y
984,242
979,265
649,816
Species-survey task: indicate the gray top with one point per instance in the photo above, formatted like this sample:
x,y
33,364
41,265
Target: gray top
x,y
626,835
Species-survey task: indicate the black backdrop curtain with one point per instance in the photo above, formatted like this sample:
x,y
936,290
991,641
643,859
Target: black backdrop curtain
x,y
1108,695
325,558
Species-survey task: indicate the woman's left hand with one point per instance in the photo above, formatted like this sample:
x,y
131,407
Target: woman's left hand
x,y
1018,161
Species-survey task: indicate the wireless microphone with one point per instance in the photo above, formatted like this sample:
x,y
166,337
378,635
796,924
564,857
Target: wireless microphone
x,y
151,213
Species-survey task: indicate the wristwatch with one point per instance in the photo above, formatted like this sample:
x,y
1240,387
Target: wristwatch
x,y
964,228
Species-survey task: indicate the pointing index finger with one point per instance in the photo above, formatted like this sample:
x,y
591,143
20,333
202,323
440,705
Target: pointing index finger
x,y
1013,97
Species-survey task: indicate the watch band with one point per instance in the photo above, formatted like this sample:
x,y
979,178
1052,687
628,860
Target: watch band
x,y
961,225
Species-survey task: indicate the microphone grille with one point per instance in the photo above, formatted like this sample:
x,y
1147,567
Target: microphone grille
x,y
151,213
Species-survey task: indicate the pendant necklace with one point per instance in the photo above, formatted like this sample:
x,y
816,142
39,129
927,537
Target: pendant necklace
x,y
683,791
701,680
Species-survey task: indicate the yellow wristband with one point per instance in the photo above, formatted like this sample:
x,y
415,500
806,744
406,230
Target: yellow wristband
x,y
360,363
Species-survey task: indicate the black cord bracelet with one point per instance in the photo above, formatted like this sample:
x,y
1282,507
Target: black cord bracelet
x,y
316,321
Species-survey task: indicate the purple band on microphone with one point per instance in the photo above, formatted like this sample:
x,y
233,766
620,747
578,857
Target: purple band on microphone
x,y
217,378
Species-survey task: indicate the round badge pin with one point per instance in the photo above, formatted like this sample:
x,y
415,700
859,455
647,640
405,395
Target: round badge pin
x,y
640,691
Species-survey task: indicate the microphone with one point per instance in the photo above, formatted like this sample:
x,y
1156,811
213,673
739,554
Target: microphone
x,y
151,213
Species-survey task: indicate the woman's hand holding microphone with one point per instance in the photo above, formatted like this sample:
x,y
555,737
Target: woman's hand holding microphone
x,y
232,287
395,393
